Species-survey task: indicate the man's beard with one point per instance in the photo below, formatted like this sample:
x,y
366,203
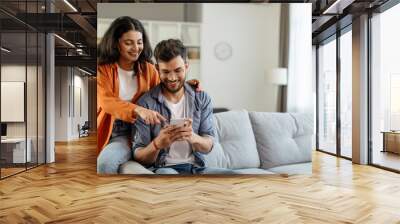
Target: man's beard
x,y
165,87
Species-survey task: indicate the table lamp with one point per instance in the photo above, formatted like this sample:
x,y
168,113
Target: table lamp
x,y
278,77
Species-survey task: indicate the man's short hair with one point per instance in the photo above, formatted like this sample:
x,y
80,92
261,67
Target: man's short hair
x,y
167,50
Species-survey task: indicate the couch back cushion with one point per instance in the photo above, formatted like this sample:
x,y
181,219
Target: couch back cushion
x,y
282,138
235,145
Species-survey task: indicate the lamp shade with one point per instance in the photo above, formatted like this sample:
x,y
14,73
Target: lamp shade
x,y
276,76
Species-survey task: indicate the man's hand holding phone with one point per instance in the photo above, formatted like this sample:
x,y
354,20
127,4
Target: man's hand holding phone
x,y
184,131
177,130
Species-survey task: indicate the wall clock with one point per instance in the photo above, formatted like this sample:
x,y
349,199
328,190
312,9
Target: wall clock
x,y
223,51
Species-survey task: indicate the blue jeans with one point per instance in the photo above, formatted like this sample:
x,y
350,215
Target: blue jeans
x,y
116,152
187,168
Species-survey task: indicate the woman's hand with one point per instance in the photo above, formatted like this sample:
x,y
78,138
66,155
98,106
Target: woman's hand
x,y
195,83
149,116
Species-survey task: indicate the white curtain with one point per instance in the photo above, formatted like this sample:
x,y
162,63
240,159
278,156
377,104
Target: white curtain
x,y
301,84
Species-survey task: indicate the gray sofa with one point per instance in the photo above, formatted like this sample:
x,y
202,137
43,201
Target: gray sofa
x,y
256,143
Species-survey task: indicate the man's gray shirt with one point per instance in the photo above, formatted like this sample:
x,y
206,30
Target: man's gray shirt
x,y
199,108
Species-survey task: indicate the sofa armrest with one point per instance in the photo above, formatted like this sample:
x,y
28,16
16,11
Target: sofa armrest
x,y
133,167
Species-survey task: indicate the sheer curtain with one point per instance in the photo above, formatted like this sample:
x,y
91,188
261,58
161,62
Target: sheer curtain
x,y
301,84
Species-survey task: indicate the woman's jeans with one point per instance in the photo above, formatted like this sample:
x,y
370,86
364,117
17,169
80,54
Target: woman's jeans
x,y
116,152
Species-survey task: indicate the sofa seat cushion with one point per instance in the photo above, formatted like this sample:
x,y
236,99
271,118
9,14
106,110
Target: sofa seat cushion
x,y
133,167
282,138
252,171
235,145
298,168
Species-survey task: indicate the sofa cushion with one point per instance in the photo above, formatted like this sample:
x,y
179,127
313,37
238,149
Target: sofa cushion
x,y
235,145
132,167
298,168
252,171
282,138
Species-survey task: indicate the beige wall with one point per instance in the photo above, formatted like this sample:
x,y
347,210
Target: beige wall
x,y
71,87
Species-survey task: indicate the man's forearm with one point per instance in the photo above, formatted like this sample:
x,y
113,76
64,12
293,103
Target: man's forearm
x,y
146,155
202,144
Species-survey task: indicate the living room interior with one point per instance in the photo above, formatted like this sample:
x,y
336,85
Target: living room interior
x,y
247,62
48,76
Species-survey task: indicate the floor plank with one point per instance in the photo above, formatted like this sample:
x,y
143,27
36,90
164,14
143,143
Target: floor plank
x,y
69,191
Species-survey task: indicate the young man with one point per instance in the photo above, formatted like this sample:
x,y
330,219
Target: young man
x,y
175,149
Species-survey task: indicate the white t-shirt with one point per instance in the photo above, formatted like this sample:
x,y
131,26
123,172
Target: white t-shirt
x,y
127,84
179,151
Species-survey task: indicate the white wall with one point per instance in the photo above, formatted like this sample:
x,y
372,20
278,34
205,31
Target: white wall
x,y
253,32
68,82
85,100
61,103
81,83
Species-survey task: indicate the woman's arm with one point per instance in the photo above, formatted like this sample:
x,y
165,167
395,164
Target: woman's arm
x,y
120,109
108,101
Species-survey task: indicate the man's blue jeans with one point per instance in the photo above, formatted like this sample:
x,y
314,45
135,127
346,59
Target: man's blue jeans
x,y
187,168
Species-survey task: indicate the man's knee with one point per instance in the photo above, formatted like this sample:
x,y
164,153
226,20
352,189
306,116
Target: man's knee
x,y
166,171
215,171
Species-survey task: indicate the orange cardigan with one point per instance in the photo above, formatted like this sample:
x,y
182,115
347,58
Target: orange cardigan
x,y
110,106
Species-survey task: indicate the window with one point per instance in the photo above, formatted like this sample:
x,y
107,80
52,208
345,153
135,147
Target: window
x,y
346,94
22,74
385,88
327,97
394,102
334,138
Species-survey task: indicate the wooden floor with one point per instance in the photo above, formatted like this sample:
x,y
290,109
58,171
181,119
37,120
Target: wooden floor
x,y
70,191
5,172
10,171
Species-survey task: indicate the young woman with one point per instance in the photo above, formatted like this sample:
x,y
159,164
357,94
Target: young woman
x,y
125,71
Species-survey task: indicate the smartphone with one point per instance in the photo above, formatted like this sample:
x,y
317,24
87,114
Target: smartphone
x,y
180,122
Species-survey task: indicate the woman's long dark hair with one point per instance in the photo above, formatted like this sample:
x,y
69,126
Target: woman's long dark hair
x,y
107,50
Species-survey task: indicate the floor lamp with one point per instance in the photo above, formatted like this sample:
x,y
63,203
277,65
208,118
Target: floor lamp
x,y
278,77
